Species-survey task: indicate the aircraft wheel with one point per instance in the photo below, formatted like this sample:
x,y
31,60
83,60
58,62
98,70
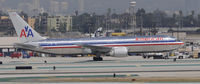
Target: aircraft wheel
x,y
100,59
97,59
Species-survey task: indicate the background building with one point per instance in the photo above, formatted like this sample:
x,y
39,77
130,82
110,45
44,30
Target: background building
x,y
6,26
59,23
31,22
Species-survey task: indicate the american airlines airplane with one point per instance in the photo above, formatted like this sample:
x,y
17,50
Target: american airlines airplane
x,y
114,46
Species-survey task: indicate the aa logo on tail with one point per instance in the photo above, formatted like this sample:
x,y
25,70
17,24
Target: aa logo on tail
x,y
26,32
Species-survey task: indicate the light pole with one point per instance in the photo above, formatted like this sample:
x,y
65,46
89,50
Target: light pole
x,y
180,23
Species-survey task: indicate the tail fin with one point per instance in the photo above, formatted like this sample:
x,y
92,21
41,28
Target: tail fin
x,y
24,31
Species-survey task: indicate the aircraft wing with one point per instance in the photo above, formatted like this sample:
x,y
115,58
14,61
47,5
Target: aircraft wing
x,y
101,49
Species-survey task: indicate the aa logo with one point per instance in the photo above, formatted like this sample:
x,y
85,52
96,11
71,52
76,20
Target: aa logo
x,y
26,32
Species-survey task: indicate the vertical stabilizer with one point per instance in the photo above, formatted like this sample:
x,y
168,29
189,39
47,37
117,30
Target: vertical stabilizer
x,y
24,31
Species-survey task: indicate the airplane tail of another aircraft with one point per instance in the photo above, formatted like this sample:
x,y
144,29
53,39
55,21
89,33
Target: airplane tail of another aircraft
x,y
24,31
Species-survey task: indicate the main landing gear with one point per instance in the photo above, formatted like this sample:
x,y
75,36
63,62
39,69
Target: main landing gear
x,y
98,57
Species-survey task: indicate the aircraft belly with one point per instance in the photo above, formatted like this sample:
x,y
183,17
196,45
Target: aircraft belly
x,y
65,51
156,48
138,49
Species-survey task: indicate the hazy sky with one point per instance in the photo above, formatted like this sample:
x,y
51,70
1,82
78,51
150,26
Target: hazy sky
x,y
101,6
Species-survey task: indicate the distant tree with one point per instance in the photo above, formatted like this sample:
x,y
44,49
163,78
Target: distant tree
x,y
41,23
189,21
62,27
159,18
198,20
90,22
174,20
2,13
198,30
85,22
148,20
24,15
53,30
76,13
140,17
44,14
125,20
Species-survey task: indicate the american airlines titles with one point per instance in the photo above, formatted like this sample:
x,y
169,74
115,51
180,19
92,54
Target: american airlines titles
x,y
150,39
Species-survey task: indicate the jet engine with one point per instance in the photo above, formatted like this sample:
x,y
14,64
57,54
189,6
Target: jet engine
x,y
86,51
119,52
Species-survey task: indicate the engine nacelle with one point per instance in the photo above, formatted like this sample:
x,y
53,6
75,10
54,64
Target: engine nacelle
x,y
119,52
86,51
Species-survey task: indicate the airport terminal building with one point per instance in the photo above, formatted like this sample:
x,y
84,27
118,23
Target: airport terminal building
x,y
7,44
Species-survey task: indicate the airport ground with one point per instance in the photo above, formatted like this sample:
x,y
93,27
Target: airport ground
x,y
83,69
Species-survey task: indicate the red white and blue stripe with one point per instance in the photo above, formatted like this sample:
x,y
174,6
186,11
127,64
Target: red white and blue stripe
x,y
109,42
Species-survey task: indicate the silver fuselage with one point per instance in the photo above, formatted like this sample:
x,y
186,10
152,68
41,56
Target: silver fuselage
x,y
140,44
